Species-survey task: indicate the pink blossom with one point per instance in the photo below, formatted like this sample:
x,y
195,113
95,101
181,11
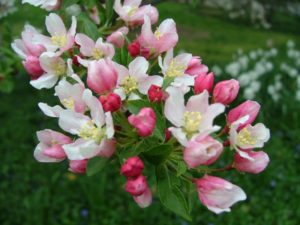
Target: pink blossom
x,y
250,108
203,82
156,94
102,76
257,164
33,67
132,167
194,118
145,199
110,102
60,38
133,14
202,150
217,194
136,186
195,67
226,91
117,38
144,121
78,166
50,148
163,39
45,4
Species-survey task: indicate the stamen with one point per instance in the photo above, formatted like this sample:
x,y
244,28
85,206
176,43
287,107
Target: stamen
x,y
175,69
244,137
192,121
129,84
59,40
90,131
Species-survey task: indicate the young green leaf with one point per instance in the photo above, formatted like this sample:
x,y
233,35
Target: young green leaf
x,y
158,154
95,165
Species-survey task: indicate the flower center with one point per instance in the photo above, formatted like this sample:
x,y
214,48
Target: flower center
x,y
157,34
192,121
90,131
129,84
59,40
175,69
132,11
97,53
60,68
69,103
244,137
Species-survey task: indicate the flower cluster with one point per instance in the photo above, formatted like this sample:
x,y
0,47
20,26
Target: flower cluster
x,y
138,102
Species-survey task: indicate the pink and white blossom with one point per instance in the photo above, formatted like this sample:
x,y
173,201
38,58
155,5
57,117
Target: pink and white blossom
x,y
95,133
133,14
195,67
135,78
145,199
110,102
93,50
50,148
226,91
162,40
44,4
202,150
117,38
132,167
136,186
61,39
78,166
217,194
204,81
194,118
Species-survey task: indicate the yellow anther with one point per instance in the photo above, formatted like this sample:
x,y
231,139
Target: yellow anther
x,y
129,84
59,40
157,34
90,131
69,103
192,121
132,11
60,68
245,138
175,69
97,53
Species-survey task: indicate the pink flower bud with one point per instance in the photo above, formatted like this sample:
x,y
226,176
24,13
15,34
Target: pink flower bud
x,y
55,152
168,135
155,93
226,91
257,165
134,48
75,60
250,108
217,194
78,166
111,102
132,167
202,150
144,121
136,186
195,67
33,67
145,199
117,38
203,82
102,76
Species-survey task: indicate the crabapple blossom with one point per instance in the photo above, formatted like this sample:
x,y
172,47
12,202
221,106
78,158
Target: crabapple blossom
x,y
163,39
44,4
60,38
144,121
226,91
156,94
117,38
133,14
50,148
258,162
33,67
132,167
145,199
136,186
78,166
202,150
204,81
195,67
217,194
110,102
196,117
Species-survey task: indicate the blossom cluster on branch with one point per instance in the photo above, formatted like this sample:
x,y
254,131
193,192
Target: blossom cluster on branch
x,y
136,101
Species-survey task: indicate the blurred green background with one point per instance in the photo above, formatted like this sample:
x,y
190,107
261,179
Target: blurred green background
x,y
35,193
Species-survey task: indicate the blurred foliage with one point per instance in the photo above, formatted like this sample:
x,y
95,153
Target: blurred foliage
x,y
35,193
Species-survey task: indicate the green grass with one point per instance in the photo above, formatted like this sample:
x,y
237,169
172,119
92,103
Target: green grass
x,y
35,193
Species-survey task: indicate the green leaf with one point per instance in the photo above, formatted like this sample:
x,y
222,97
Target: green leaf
x,y
167,82
134,106
181,168
132,150
109,4
95,165
158,154
89,27
160,126
170,195
68,3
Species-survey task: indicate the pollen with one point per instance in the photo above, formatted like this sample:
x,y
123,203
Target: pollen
x,y
97,53
192,121
129,84
69,103
244,137
59,40
157,34
175,69
90,132
60,68
132,11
